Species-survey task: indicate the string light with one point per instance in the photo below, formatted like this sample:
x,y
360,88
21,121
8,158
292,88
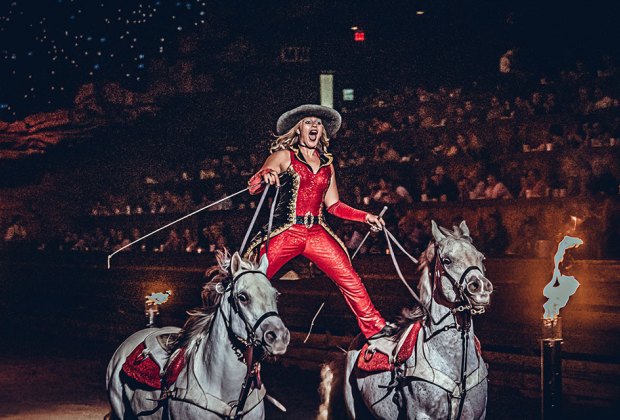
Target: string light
x,y
79,41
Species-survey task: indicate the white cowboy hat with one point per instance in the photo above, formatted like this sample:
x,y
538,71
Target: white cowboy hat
x,y
330,117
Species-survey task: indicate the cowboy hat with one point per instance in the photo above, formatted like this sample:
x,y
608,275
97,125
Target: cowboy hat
x,y
330,117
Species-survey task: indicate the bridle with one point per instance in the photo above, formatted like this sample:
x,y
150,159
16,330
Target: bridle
x,y
461,309
245,347
462,302
240,344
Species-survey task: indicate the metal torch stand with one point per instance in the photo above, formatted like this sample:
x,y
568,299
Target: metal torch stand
x,y
551,369
151,313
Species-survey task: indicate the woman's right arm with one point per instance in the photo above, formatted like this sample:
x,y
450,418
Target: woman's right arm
x,y
275,164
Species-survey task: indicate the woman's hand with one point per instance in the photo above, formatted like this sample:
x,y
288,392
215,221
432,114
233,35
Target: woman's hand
x,y
376,222
270,177
265,176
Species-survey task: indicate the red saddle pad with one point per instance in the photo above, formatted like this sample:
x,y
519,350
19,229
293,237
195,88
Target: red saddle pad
x,y
379,362
144,370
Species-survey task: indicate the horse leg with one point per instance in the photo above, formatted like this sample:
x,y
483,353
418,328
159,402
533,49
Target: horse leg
x,y
116,390
115,385
350,385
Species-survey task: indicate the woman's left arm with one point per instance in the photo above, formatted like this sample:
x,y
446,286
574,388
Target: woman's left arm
x,y
339,209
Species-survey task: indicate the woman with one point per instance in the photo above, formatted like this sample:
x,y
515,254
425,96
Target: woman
x,y
300,165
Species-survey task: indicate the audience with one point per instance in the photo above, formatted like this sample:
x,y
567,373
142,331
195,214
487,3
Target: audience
x,y
394,139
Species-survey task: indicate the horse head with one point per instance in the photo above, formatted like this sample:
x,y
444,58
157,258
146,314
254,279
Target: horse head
x,y
250,304
455,270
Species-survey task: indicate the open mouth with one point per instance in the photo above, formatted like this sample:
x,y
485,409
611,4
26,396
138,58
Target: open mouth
x,y
312,135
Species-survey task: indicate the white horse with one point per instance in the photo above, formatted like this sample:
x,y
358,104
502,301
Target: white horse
x,y
222,342
445,376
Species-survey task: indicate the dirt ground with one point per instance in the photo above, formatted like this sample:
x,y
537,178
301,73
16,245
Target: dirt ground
x,y
40,381
69,384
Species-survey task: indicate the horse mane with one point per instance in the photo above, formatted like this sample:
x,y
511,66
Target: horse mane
x,y
417,312
199,319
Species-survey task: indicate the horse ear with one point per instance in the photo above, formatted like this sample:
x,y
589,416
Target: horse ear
x,y
235,263
464,229
263,264
437,234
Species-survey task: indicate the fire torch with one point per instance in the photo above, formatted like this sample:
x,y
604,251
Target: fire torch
x,y
151,306
558,291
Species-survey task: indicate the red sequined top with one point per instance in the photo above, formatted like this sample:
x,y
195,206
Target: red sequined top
x,y
301,192
312,186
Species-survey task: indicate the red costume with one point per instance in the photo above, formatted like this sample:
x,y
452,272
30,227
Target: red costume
x,y
300,229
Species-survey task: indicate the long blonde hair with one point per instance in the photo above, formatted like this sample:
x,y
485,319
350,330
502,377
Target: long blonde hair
x,y
291,138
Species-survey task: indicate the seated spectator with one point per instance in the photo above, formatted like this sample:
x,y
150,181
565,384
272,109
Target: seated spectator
x,y
427,118
384,193
16,232
352,238
219,193
413,231
120,241
385,152
445,148
173,243
469,145
507,112
537,103
472,114
494,235
524,243
189,240
441,187
496,189
495,109
533,185
549,104
471,186
522,108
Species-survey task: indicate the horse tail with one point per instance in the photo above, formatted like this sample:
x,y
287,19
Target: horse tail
x,y
331,389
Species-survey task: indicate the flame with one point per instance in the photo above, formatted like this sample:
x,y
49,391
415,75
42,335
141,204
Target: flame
x,y
158,298
561,287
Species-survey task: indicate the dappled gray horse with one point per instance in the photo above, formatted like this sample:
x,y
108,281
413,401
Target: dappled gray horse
x,y
445,376
238,321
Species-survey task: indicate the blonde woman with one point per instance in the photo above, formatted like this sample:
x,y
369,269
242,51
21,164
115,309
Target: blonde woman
x,y
301,166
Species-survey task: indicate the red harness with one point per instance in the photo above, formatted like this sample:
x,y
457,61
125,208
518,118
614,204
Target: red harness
x,y
378,362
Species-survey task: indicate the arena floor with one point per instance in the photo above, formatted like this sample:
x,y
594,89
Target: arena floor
x,y
69,383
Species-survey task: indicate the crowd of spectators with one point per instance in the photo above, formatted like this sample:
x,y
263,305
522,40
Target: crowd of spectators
x,y
186,239
523,139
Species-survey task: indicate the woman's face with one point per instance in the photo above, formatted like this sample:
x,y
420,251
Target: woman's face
x,y
311,131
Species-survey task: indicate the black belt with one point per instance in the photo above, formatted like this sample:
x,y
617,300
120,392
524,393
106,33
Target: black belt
x,y
307,220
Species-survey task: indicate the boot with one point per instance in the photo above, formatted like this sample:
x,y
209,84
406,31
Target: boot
x,y
384,341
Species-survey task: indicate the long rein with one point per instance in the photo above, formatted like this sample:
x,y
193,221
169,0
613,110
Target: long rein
x,y
245,347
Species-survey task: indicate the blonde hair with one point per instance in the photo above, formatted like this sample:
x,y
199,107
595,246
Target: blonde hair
x,y
291,138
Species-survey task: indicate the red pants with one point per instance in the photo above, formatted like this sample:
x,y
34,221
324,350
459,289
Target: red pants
x,y
320,248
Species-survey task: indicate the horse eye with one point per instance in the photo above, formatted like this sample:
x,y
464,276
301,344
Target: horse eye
x,y
242,297
446,261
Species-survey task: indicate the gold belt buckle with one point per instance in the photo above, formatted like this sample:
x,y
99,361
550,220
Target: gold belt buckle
x,y
308,220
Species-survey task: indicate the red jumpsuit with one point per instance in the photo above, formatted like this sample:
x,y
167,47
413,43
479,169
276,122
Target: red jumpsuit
x,y
299,229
